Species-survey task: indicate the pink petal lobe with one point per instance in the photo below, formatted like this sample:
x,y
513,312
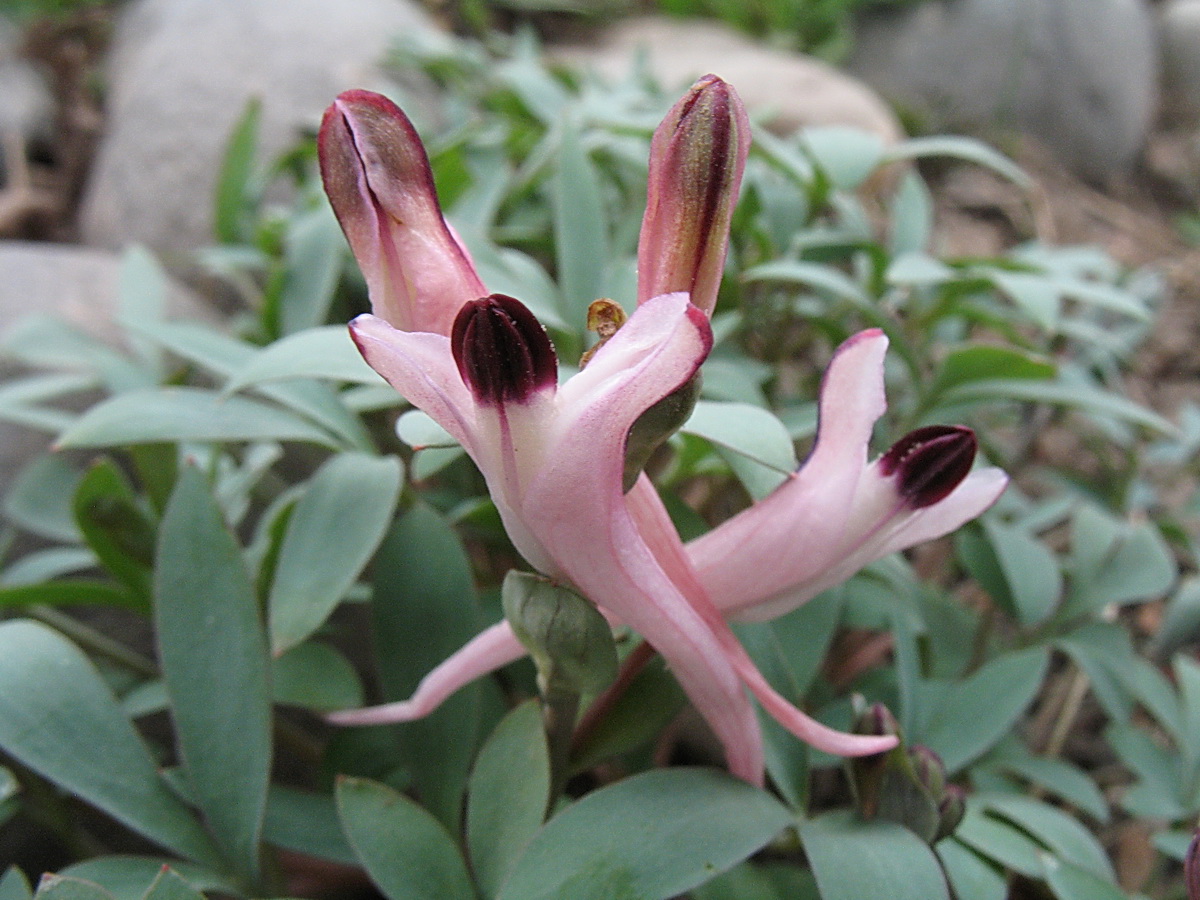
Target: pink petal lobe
x,y
796,532
488,651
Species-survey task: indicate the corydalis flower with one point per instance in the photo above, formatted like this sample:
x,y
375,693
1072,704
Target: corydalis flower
x,y
553,456
837,513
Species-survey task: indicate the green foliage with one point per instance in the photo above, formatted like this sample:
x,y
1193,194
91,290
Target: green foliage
x,y
243,493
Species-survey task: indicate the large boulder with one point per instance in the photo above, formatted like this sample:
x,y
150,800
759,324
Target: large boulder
x,y
26,105
789,90
1079,75
181,74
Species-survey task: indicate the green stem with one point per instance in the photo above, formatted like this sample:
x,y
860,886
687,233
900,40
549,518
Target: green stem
x,y
559,709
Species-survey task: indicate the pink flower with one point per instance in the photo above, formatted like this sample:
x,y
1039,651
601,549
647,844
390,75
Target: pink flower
x,y
553,456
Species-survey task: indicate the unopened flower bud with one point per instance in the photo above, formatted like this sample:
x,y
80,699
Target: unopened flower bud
x,y
503,353
930,462
867,772
929,769
697,159
570,642
951,810
379,183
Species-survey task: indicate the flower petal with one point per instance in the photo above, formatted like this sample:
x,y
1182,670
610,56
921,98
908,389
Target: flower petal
x,y
488,651
421,367
796,532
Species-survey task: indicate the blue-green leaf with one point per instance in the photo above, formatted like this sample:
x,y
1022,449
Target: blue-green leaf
x,y
214,660
650,837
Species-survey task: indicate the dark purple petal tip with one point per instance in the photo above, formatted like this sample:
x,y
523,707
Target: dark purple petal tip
x,y
503,353
930,462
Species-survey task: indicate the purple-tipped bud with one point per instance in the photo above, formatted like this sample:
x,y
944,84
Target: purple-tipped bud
x,y
503,353
930,462
867,772
696,162
929,769
378,179
951,809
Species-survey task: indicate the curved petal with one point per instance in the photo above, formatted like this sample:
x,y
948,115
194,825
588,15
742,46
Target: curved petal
x,y
421,368
653,521
488,651
796,532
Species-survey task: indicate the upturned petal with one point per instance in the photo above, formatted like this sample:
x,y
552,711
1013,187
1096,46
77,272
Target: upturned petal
x,y
378,179
697,158
836,514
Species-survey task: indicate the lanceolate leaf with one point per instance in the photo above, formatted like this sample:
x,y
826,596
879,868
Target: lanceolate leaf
x,y
59,718
214,659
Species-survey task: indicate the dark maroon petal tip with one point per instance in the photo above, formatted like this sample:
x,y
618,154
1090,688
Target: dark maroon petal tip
x,y
930,462
503,353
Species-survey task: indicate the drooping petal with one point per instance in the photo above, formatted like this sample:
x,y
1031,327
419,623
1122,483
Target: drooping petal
x,y
378,179
491,649
652,519
697,158
796,532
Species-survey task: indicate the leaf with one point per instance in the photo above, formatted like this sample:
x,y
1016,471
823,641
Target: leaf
x,y
979,362
116,527
40,498
71,593
853,860
60,887
14,885
332,533
758,446
580,238
317,677
326,352
170,885
58,717
1060,393
847,156
969,874
507,795
1070,882
1057,776
179,414
649,837
129,877
205,612
817,277
404,849
313,251
912,215
142,293
1000,841
425,608
990,700
421,432
963,148
306,823
234,200
1069,840
1116,562
1030,570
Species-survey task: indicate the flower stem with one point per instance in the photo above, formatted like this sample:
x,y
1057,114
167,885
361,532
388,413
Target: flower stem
x,y
559,709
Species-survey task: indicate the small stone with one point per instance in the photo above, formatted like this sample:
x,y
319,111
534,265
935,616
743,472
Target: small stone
x,y
1078,75
181,75
791,90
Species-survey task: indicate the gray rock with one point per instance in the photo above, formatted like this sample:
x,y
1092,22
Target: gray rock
x,y
1079,75
789,89
182,73
1179,31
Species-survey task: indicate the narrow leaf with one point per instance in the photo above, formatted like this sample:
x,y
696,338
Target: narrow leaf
x,y
214,660
59,718
332,533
